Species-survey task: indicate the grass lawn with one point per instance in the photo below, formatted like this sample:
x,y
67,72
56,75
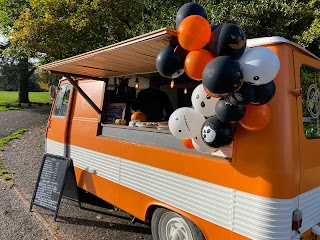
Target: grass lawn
x,y
11,98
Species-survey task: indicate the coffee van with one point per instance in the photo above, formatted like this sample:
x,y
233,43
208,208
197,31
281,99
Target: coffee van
x,y
266,185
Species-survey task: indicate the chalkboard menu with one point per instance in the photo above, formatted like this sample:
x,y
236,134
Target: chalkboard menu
x,y
54,174
115,111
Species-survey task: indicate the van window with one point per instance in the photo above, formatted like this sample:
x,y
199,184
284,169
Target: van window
x,y
310,83
62,101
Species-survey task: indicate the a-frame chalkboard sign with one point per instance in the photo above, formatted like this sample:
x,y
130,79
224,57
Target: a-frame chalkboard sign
x,y
56,178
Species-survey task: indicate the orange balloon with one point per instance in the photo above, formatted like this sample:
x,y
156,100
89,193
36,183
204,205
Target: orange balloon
x,y
194,32
195,62
256,118
187,143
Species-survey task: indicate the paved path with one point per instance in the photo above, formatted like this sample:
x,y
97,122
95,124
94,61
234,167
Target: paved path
x,y
13,120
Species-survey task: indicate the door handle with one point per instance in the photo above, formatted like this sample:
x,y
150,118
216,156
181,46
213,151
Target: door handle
x,y
296,91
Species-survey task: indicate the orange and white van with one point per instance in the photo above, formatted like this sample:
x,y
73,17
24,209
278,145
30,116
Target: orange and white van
x,y
265,186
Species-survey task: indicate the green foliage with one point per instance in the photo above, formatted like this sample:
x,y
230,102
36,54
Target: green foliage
x,y
294,20
14,135
6,175
8,74
63,28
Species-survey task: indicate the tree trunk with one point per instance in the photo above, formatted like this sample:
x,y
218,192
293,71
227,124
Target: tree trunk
x,y
23,89
24,75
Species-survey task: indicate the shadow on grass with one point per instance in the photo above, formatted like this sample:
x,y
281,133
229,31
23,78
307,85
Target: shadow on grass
x,y
19,106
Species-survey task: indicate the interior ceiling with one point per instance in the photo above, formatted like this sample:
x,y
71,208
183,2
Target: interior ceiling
x,y
134,56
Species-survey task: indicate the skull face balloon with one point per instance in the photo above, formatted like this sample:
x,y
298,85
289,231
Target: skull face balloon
x,y
228,113
169,64
215,133
260,65
185,123
202,102
243,96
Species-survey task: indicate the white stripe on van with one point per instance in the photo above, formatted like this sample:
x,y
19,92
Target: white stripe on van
x,y
250,215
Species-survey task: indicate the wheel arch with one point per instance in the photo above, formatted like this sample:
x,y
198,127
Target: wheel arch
x,y
153,206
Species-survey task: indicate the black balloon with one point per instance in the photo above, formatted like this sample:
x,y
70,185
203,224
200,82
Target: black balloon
x,y
213,27
216,133
170,64
263,93
188,9
222,76
228,39
228,113
243,96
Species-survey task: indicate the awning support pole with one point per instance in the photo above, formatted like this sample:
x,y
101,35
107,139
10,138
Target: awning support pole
x,y
83,94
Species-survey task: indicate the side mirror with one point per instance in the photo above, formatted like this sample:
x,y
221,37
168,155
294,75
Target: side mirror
x,y
52,92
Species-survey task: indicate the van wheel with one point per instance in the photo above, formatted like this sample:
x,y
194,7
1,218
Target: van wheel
x,y
166,224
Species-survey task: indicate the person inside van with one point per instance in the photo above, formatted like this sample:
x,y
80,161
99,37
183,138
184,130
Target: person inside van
x,y
154,102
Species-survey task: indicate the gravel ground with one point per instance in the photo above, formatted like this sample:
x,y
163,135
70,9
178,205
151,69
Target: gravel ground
x,y
23,157
13,120
16,222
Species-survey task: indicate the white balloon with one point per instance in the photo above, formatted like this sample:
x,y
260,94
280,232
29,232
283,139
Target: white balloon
x,y
202,102
200,145
260,65
185,123
247,49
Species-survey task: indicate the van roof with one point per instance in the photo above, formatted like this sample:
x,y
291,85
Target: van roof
x,y
133,56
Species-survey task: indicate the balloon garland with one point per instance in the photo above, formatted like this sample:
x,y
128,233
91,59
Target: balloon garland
x,y
237,81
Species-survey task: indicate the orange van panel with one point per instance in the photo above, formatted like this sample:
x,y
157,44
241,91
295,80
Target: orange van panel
x,y
267,161
137,204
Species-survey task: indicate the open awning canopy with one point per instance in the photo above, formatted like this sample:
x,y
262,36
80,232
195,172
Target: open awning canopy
x,y
134,56
130,57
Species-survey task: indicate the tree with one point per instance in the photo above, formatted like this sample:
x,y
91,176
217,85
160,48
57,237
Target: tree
x,y
8,74
9,13
63,28
296,20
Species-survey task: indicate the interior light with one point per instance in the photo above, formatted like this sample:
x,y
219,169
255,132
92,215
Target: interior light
x,y
172,83
185,89
137,83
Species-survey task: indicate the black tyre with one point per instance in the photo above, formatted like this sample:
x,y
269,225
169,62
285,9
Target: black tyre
x,y
168,225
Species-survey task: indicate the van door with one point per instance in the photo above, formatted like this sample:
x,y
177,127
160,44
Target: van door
x,y
57,129
307,76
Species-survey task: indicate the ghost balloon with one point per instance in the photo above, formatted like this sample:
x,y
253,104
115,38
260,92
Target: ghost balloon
x,y
185,123
200,145
260,65
202,102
